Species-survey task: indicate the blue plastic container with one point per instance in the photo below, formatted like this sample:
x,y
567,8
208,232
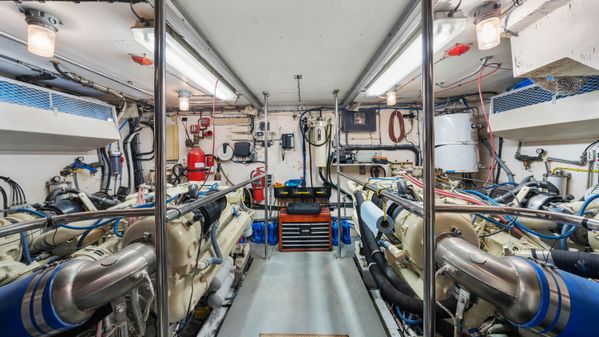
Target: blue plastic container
x,y
273,233
257,232
335,234
345,232
293,182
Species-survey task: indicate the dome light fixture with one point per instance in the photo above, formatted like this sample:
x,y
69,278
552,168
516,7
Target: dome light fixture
x,y
41,32
184,96
391,98
487,19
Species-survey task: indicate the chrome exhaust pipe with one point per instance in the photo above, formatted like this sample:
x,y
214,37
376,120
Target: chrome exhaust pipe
x,y
548,301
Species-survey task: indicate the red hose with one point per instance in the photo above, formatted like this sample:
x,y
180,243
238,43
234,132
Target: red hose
x,y
402,128
444,193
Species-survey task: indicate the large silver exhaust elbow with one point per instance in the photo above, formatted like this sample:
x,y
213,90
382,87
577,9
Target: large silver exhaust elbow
x,y
81,287
509,283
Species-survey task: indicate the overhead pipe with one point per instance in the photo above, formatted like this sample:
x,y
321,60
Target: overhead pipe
x,y
160,241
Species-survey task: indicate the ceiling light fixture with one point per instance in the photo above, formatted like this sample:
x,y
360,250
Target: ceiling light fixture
x,y
391,98
41,32
181,59
184,96
487,19
410,58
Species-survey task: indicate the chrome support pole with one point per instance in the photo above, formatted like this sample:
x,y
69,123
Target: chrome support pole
x,y
267,172
338,169
172,213
160,239
428,168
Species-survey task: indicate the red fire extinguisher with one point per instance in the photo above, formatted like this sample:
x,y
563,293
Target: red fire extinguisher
x,y
258,185
196,165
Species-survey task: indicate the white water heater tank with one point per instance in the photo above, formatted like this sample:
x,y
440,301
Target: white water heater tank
x,y
320,134
456,143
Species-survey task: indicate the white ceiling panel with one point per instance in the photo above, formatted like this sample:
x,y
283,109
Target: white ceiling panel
x,y
451,72
267,42
97,35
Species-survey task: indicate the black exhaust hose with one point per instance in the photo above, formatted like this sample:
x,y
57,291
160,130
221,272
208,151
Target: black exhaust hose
x,y
378,256
577,263
103,169
104,202
399,295
528,181
211,212
106,184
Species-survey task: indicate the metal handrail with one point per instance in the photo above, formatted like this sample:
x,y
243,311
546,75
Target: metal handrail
x,y
416,208
172,214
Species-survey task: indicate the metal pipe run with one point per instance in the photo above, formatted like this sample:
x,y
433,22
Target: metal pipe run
x,y
338,170
267,173
428,107
160,241
172,213
418,209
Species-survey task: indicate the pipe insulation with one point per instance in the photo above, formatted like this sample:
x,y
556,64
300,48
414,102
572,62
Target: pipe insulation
x,y
531,296
374,217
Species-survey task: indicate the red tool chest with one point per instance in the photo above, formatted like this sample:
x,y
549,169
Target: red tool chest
x,y
305,232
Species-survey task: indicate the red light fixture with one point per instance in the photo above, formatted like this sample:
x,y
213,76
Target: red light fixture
x,y
142,60
458,49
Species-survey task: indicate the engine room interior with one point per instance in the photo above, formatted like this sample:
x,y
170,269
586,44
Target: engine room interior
x,y
411,168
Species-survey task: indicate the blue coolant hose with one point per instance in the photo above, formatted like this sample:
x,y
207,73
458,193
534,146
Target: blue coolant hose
x,y
581,211
570,302
27,306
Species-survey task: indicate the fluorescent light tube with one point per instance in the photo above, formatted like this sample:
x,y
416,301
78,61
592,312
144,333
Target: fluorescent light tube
x,y
445,30
179,58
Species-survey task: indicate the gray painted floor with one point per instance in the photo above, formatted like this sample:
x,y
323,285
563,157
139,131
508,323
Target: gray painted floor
x,y
302,293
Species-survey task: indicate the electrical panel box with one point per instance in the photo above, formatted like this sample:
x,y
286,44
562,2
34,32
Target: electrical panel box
x,y
242,149
359,121
288,141
364,156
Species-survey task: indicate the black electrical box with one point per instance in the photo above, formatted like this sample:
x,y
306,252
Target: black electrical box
x,y
288,141
359,121
346,157
242,149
